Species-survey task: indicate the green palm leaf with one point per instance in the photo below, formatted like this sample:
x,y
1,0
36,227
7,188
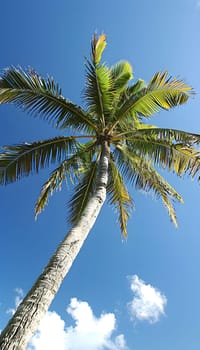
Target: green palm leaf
x,y
121,73
144,177
26,89
70,170
150,132
83,191
136,87
24,159
97,93
169,148
161,92
119,196
51,185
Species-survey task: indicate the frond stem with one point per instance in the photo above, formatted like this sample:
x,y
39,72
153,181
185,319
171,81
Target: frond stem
x,y
100,101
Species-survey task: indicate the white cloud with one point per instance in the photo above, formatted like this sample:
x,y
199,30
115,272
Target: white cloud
x,y
51,334
88,332
148,303
18,299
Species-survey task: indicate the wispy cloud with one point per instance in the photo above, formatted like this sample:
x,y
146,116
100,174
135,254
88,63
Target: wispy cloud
x,y
89,332
148,303
18,299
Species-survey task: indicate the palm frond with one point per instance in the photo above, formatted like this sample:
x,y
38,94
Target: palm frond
x,y
51,185
98,46
119,197
34,94
171,149
83,191
130,120
121,73
160,93
70,170
97,92
24,159
136,87
171,135
144,177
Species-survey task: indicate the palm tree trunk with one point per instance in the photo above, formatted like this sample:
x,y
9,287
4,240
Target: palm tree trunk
x,y
26,319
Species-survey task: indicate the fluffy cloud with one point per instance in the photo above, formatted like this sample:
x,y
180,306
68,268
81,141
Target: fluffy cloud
x,y
148,303
88,332
91,332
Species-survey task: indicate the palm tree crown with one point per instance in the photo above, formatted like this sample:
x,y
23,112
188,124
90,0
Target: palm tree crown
x,y
114,115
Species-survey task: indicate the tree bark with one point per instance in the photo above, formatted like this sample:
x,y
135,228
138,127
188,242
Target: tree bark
x,y
27,317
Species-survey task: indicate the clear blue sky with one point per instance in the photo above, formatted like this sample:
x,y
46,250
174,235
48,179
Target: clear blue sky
x,y
53,37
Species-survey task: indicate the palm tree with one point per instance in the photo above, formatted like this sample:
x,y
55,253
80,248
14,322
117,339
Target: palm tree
x,y
107,145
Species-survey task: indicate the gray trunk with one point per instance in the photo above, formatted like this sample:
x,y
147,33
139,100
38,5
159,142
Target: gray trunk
x,y
26,319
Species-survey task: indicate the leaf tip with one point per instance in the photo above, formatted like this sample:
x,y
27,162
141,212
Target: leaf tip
x,y
98,46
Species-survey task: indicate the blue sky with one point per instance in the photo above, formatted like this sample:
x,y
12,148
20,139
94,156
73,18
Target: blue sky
x,y
139,294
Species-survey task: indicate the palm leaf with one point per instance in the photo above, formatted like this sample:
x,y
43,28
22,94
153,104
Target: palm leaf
x,y
70,170
26,89
24,159
161,92
83,191
51,185
119,196
97,92
98,46
136,87
144,177
150,132
171,149
121,73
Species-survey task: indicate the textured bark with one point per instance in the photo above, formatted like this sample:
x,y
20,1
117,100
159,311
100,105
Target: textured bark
x,y
26,319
